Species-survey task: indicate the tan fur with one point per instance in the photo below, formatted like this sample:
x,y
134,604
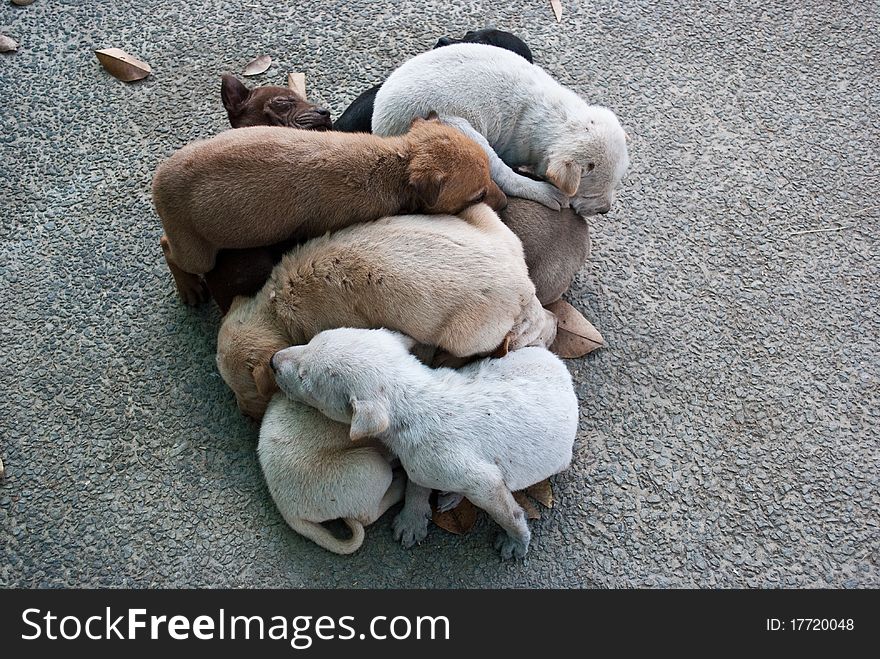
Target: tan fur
x,y
250,187
460,285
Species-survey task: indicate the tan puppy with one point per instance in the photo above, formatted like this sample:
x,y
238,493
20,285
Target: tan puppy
x,y
316,474
459,283
257,186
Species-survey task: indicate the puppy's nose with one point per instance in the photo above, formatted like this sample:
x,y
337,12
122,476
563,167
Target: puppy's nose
x,y
323,112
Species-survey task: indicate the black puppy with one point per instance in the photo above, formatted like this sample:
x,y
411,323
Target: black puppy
x,y
358,117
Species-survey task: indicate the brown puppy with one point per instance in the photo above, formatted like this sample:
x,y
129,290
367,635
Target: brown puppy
x,y
258,186
456,282
270,106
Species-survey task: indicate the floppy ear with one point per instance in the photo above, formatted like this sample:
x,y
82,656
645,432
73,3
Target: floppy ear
x,y
264,379
426,188
234,93
565,175
368,419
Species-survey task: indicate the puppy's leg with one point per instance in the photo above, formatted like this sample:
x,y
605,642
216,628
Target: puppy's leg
x,y
508,180
497,500
411,524
191,287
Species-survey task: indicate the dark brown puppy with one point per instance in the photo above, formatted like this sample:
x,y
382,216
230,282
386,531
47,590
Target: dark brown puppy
x,y
270,106
262,185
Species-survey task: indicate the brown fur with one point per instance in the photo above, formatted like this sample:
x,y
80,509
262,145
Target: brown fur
x,y
270,106
457,283
257,186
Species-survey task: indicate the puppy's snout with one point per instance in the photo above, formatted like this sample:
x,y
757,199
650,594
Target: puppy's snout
x,y
604,208
322,112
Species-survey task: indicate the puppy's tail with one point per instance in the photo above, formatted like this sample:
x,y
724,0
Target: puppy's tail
x,y
321,536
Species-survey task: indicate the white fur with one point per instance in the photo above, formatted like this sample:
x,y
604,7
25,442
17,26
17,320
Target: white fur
x,y
316,474
515,110
485,430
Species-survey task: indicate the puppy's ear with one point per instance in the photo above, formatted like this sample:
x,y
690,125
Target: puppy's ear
x,y
264,379
234,93
426,187
565,175
368,419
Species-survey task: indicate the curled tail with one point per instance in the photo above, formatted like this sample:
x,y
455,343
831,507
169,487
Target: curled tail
x,y
321,536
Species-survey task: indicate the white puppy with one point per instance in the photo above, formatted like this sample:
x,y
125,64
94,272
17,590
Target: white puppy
x,y
315,474
520,115
489,428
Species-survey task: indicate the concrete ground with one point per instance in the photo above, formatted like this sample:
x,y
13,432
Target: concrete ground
x,y
729,432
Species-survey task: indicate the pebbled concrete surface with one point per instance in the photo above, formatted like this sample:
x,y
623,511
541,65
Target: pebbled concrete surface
x,y
729,431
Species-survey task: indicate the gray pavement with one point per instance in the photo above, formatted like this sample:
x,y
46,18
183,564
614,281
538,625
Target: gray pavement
x,y
729,432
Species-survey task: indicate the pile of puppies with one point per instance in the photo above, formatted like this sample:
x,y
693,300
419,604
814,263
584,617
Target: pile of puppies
x,y
380,318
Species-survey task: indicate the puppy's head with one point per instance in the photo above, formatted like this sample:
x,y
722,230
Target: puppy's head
x,y
245,344
270,106
448,171
345,373
589,160
491,37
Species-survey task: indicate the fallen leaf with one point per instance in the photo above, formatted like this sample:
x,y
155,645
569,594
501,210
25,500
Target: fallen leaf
x,y
2,469
523,500
7,44
297,82
542,493
22,3
121,65
459,520
557,9
575,336
257,66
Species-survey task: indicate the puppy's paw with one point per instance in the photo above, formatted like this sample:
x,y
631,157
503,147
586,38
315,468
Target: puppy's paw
x,y
548,195
446,501
410,529
193,290
510,547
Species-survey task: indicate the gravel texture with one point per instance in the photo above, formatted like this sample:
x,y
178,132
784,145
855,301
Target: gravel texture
x,y
729,432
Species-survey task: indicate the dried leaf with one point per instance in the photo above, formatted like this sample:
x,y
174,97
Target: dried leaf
x,y
22,3
542,493
121,65
557,9
2,469
297,82
7,44
523,500
257,66
575,336
459,520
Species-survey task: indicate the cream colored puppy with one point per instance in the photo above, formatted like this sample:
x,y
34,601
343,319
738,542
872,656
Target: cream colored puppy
x,y
485,430
459,283
316,474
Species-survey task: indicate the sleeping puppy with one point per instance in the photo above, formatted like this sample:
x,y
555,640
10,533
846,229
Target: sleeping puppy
x,y
485,430
458,283
270,106
520,115
252,187
315,474
358,116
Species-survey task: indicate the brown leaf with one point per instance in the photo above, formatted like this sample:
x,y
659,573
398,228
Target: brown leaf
x,y
7,44
557,9
257,66
459,520
22,3
121,65
523,500
542,493
575,336
297,82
